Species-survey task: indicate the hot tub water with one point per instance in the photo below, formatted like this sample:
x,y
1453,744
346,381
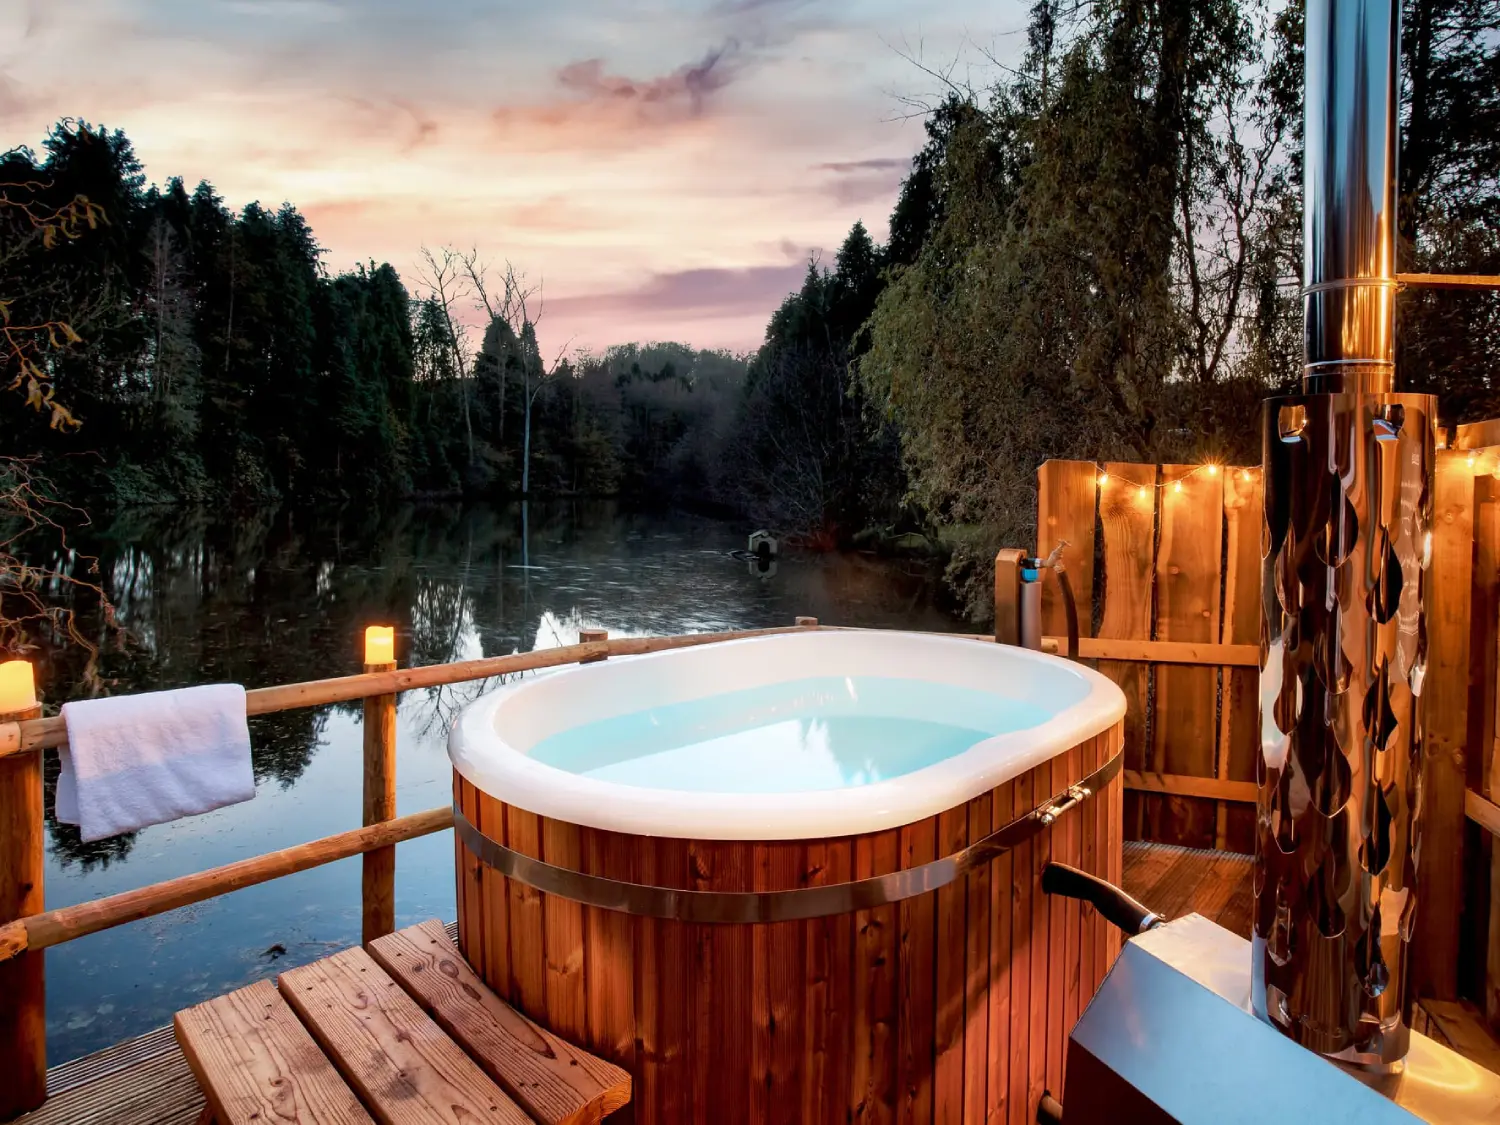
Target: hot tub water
x,y
819,733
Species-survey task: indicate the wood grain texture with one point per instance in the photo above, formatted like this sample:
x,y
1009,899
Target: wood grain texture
x,y
1043,946
977,971
403,1066
1449,581
1127,513
23,988
830,991
1479,977
1188,574
1066,492
474,942
1023,945
918,916
562,926
952,929
778,978
872,1090
552,1080
523,834
256,1063
1239,710
914,1012
378,875
1002,885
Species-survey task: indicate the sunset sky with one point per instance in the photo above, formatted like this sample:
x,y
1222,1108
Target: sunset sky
x,y
663,166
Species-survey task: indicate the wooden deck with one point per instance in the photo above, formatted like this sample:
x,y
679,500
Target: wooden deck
x,y
146,1080
1174,881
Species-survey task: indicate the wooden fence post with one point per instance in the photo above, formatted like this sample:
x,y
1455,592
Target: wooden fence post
x,y
378,885
23,1007
593,636
1450,607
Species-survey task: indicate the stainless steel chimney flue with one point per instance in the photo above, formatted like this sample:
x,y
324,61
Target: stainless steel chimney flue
x,y
1349,196
1348,487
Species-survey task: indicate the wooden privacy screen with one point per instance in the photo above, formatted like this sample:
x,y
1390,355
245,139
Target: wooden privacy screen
x,y
1172,553
1167,553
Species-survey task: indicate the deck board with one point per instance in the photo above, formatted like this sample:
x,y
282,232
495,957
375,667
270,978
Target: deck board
x,y
404,1067
1174,881
256,1062
555,1082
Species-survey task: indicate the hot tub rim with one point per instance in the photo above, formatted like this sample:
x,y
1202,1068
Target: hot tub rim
x,y
497,768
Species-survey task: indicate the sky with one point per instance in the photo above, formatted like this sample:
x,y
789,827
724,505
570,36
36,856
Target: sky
x,y
662,168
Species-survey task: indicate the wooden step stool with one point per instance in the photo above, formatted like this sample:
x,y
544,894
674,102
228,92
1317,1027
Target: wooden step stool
x,y
404,1034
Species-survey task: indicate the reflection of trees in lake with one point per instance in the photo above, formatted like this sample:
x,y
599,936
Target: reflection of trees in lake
x,y
268,597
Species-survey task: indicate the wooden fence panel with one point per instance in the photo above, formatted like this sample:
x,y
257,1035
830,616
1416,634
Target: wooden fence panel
x,y
1127,512
1188,591
1065,499
1239,719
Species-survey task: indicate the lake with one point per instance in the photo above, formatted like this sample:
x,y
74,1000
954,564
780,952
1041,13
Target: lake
x,y
279,597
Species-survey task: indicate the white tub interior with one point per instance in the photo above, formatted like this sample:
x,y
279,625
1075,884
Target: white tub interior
x,y
800,735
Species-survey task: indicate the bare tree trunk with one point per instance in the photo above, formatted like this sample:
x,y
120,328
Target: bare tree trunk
x,y
526,445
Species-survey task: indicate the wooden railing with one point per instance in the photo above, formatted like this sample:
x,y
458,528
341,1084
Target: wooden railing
x,y
1178,619
27,929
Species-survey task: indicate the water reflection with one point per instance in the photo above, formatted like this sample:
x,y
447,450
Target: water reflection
x,y
279,597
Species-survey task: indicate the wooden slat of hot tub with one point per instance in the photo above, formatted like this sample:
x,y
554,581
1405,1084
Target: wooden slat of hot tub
x,y
948,1073
830,970
918,934
562,925
1020,968
872,1093
997,1077
976,971
779,952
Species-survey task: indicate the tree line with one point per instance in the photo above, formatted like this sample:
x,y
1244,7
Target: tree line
x,y
1096,256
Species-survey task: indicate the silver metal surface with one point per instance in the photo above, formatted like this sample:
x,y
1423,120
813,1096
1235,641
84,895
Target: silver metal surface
x,y
1349,195
1344,652
1348,496
1170,1038
775,906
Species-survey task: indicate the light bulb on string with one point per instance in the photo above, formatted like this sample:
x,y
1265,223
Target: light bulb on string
x,y
1177,486
1103,478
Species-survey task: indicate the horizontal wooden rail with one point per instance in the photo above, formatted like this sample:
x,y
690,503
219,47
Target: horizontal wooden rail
x,y
1450,280
41,931
16,738
1181,785
1161,652
1482,812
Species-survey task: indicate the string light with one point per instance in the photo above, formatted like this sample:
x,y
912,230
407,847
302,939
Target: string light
x,y
1102,477
1471,460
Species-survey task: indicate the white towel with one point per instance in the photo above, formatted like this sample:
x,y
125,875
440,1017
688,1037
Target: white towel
x,y
136,760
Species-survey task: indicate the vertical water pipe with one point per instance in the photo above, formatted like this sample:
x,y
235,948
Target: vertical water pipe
x,y
1348,478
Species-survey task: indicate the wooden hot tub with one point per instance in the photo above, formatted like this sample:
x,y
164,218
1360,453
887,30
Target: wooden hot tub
x,y
950,1005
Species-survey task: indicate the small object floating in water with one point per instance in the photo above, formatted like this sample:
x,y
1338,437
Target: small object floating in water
x,y
277,950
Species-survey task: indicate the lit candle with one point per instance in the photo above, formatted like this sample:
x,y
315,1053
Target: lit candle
x,y
17,687
380,645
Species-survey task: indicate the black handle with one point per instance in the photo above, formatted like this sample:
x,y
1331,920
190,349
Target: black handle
x,y
1108,899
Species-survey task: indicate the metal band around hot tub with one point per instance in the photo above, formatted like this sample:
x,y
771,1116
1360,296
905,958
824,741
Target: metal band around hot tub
x,y
775,906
